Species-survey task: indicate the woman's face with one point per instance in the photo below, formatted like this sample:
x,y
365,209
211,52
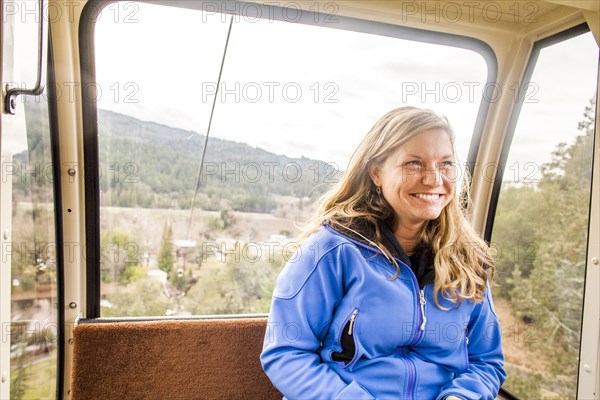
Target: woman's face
x,y
419,178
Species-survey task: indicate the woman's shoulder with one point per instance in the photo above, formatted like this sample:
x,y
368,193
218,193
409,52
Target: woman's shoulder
x,y
308,258
326,238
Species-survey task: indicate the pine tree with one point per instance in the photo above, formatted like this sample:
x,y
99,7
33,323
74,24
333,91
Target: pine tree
x,y
541,231
166,258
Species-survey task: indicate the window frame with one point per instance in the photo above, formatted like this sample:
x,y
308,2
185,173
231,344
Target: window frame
x,y
56,188
58,221
90,117
538,46
516,113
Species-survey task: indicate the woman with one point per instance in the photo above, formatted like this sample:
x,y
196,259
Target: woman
x,y
388,296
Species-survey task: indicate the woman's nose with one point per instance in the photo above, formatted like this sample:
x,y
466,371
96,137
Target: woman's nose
x,y
431,177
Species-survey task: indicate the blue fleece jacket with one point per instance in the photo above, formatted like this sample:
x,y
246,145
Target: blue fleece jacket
x,y
341,328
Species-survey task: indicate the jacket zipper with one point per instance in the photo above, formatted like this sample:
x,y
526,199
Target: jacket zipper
x,y
412,378
422,319
350,321
352,318
467,347
422,301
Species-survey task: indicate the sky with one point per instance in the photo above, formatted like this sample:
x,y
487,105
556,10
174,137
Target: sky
x,y
288,88
309,91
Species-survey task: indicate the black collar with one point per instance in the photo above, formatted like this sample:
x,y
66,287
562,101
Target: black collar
x,y
421,262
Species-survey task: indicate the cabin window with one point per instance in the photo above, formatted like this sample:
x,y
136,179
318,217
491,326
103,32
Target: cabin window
x,y
541,223
293,102
29,240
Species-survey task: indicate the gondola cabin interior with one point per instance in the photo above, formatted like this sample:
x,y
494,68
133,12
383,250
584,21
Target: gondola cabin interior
x,y
159,160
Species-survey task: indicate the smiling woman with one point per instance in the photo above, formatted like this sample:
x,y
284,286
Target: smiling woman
x,y
395,209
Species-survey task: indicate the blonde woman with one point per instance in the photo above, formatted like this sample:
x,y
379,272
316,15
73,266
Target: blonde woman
x,y
388,296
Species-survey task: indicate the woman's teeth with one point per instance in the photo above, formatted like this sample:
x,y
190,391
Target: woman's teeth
x,y
427,196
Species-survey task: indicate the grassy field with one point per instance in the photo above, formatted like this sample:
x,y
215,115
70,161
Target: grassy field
x,y
146,225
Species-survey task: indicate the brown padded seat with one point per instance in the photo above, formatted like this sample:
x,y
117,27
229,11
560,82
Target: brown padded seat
x,y
174,359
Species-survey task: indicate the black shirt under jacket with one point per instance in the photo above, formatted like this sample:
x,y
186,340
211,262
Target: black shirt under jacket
x,y
421,262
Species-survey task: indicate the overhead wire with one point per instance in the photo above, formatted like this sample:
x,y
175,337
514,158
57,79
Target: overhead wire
x,y
198,178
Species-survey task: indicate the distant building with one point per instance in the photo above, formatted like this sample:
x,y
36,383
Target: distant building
x,y
158,274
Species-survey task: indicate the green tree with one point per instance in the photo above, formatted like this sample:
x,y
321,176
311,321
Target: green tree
x,y
242,284
166,258
541,231
119,257
141,298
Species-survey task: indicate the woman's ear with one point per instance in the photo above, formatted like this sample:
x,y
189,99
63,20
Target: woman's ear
x,y
374,171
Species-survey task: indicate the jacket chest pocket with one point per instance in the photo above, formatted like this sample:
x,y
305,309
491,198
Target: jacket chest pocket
x,y
347,340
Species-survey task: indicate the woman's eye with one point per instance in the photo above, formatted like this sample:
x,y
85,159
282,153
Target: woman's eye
x,y
413,163
446,164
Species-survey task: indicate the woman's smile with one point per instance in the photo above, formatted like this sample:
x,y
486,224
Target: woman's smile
x,y
430,197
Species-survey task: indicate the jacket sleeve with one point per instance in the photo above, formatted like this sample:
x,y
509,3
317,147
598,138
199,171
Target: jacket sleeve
x,y
305,297
485,374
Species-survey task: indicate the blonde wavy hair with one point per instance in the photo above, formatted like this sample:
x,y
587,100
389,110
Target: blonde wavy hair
x,y
461,256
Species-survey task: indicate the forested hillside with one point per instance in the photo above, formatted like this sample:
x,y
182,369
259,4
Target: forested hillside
x,y
540,233
145,164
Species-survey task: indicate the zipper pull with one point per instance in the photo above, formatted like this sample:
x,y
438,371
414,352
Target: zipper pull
x,y
423,302
467,336
352,318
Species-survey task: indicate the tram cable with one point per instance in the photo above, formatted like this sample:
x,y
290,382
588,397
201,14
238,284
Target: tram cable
x,y
187,235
